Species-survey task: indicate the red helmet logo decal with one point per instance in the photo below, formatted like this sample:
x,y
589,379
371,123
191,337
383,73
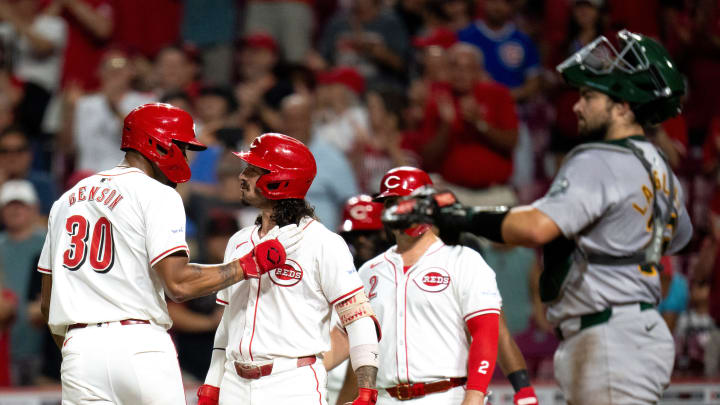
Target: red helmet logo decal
x,y
287,275
396,182
434,279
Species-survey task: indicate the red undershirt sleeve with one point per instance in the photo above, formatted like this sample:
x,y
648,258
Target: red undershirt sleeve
x,y
483,350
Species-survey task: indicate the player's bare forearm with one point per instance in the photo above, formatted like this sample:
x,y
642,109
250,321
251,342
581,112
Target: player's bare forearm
x,y
473,397
510,358
366,376
527,226
184,281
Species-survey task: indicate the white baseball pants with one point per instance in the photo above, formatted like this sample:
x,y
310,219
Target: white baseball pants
x,y
122,365
626,360
295,386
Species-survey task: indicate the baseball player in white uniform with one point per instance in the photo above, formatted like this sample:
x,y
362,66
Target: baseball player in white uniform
x,y
274,330
439,308
614,208
115,246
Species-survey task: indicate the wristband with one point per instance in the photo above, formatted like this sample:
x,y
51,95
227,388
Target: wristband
x,y
519,379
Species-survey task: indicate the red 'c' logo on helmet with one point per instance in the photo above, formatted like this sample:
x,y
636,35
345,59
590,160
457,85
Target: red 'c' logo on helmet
x,y
287,275
434,279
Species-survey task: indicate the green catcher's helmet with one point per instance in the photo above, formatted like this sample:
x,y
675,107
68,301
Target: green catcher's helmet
x,y
641,73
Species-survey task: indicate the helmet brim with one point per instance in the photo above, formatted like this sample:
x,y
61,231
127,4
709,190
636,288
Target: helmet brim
x,y
251,159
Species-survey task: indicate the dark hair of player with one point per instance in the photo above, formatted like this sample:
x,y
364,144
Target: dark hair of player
x,y
289,211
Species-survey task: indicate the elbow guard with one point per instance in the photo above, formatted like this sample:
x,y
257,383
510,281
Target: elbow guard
x,y
355,308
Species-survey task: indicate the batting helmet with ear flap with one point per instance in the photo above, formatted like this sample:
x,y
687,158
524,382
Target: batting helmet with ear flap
x,y
155,130
290,164
361,214
401,181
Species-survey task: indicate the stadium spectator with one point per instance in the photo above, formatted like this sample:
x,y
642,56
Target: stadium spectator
x,y
369,38
175,69
97,117
381,147
511,58
470,130
144,27
16,164
696,332
214,107
210,25
8,311
335,181
290,22
90,28
20,244
34,44
340,112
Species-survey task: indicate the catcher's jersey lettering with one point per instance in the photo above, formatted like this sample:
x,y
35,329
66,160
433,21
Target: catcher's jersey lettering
x,y
427,306
286,313
101,244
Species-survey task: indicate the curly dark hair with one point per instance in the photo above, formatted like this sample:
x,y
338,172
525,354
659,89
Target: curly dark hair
x,y
289,211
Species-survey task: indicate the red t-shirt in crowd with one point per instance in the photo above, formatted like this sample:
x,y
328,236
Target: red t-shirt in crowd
x,y
469,160
146,26
5,380
84,51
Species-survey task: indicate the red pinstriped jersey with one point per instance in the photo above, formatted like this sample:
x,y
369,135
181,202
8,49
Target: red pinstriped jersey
x,y
423,311
104,236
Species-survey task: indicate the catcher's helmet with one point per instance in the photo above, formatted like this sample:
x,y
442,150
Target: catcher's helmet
x,y
641,73
290,163
401,181
361,214
154,130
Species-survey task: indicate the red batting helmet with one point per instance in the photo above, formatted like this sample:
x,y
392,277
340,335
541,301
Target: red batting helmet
x,y
154,130
361,214
290,163
401,181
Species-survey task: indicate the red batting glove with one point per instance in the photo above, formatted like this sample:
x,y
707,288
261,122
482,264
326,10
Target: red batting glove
x,y
526,396
208,395
366,396
266,256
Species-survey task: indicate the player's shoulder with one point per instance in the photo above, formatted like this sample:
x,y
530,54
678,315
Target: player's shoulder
x,y
464,257
318,232
375,263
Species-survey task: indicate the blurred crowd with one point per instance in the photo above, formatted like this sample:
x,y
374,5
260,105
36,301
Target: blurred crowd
x,y
465,89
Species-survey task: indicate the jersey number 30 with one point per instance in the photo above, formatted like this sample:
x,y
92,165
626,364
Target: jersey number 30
x,y
102,248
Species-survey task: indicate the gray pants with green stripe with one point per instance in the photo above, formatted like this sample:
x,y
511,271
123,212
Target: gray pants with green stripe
x,y
626,360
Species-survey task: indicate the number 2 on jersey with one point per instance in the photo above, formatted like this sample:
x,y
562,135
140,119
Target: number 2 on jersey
x,y
102,248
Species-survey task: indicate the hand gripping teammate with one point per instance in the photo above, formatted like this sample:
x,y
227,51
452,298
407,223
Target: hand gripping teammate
x,y
613,210
115,246
274,327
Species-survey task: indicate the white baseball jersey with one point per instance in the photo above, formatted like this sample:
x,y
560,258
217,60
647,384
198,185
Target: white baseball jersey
x,y
423,311
286,312
104,236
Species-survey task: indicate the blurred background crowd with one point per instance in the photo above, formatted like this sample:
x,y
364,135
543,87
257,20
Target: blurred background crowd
x,y
465,89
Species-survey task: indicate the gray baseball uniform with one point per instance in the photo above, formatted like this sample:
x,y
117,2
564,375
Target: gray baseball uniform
x,y
616,348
